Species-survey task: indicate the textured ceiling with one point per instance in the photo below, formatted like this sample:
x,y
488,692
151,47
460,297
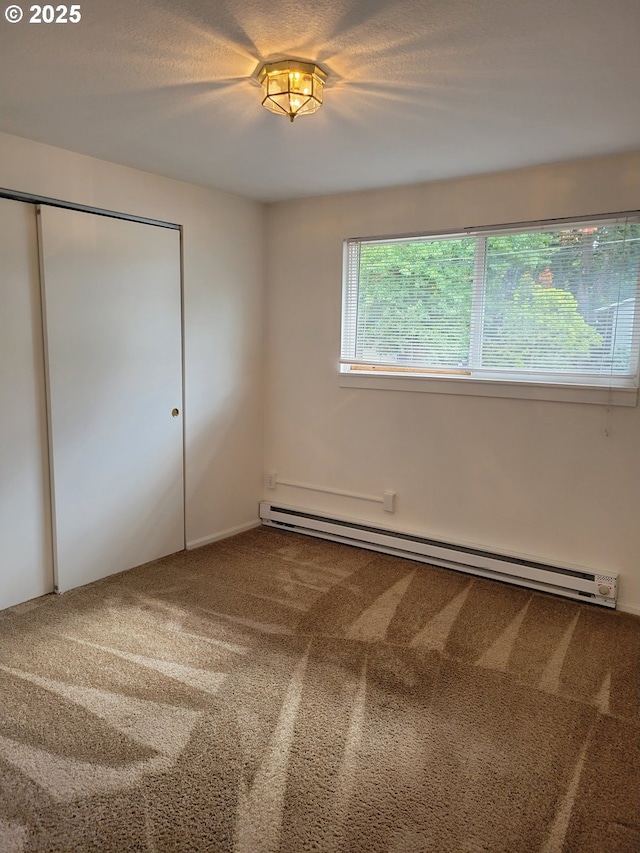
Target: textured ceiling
x,y
418,90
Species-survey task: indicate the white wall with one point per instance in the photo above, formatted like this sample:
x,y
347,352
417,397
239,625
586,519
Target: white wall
x,y
559,481
223,315
554,480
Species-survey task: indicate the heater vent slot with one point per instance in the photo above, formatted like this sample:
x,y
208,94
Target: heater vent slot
x,y
575,582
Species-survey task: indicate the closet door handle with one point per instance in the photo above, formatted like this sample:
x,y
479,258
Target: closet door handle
x,y
175,412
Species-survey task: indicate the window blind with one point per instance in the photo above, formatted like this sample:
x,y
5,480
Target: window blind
x,y
554,302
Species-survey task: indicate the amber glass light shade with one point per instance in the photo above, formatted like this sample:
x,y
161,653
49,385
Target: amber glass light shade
x,y
291,88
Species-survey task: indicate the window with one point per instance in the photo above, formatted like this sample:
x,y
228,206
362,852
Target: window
x,y
550,304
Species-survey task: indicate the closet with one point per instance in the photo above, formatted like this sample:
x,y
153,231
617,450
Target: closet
x,y
91,426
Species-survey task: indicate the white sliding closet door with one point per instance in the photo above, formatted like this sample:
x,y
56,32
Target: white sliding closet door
x,y
26,569
112,307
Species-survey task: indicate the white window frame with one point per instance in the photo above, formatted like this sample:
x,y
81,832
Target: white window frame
x,y
616,391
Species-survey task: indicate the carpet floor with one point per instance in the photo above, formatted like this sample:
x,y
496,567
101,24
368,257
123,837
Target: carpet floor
x,y
273,693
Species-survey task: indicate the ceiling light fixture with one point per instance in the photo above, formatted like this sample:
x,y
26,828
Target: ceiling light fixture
x,y
291,88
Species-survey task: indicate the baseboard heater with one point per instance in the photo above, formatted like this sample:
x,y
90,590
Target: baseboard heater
x,y
570,581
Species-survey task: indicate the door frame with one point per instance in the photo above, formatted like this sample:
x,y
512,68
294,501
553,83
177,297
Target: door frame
x,y
39,200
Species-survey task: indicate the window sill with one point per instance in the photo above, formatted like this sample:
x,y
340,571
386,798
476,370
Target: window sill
x,y
518,390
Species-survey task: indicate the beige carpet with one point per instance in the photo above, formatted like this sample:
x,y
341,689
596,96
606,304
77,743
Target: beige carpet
x,y
278,693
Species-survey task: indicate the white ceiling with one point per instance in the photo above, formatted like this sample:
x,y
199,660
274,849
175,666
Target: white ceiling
x,y
418,89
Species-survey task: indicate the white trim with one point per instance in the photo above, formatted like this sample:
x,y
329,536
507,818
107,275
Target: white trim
x,y
554,392
223,534
629,608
